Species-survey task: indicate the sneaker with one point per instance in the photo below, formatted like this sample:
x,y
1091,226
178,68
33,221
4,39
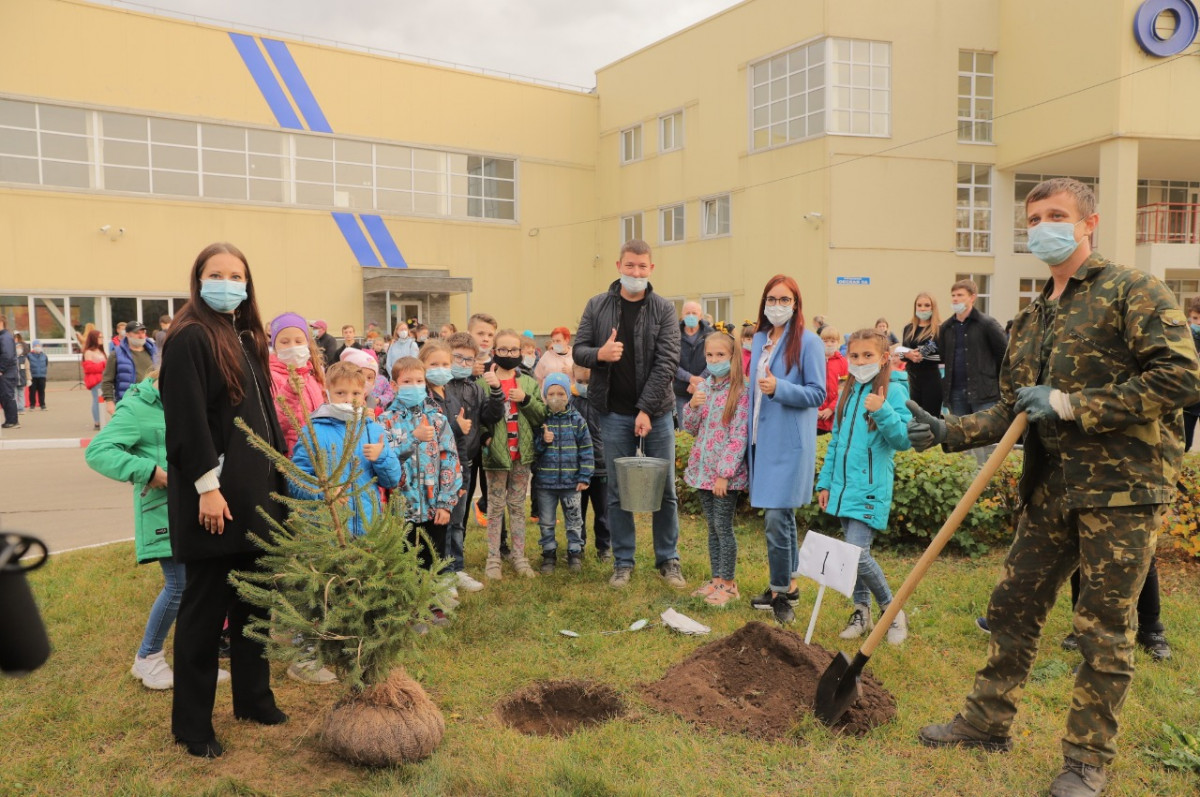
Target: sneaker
x,y
763,601
466,582
1155,643
604,555
982,624
310,672
575,561
672,574
960,733
1077,779
705,589
10,426
722,595
1070,642
439,618
859,624
153,671
492,570
549,562
521,565
448,600
620,577
782,609
480,516
898,631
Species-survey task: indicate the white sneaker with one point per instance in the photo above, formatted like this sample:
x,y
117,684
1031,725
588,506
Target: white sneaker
x,y
860,622
153,671
308,672
466,582
222,676
898,631
448,600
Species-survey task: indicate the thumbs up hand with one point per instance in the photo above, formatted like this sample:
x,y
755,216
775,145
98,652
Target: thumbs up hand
x,y
373,451
612,349
423,432
698,398
489,377
464,425
548,435
516,395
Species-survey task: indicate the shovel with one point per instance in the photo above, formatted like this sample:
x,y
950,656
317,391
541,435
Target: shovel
x,y
839,687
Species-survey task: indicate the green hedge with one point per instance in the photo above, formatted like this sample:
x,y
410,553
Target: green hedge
x,y
1182,523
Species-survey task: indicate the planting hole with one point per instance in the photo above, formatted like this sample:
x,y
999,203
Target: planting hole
x,y
557,708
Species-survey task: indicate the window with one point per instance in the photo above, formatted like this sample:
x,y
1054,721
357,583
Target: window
x,y
1184,290
984,283
973,220
631,228
671,224
714,216
976,92
678,302
1029,289
787,96
1022,185
719,307
670,131
860,86
631,144
491,187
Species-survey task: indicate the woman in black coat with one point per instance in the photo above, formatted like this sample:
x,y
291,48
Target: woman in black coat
x,y
214,369
924,359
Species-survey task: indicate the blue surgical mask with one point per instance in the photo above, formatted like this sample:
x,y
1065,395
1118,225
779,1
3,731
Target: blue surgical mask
x,y
581,389
691,320
224,296
719,368
461,371
1052,242
958,307
1195,328
410,395
634,285
924,315
439,376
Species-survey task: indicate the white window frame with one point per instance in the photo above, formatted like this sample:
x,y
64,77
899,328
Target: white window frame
x,y
974,206
628,224
631,144
713,204
854,82
675,120
678,219
710,304
1027,295
983,282
777,118
976,118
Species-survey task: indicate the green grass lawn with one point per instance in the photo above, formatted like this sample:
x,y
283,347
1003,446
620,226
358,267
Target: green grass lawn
x,y
83,725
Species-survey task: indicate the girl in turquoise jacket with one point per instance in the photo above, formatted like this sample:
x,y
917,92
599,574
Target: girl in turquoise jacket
x,y
855,484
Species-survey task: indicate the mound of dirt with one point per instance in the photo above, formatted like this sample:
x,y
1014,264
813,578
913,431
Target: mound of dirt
x,y
758,681
557,708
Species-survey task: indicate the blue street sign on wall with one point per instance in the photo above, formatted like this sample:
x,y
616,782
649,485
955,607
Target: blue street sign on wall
x,y
853,280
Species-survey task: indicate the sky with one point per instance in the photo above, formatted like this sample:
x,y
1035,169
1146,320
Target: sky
x,y
564,41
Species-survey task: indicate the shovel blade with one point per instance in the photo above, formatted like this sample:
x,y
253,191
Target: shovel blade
x,y
839,687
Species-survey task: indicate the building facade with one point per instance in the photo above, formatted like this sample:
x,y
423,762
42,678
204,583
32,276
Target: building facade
x,y
871,149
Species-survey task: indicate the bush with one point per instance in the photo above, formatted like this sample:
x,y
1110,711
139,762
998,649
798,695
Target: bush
x,y
1182,522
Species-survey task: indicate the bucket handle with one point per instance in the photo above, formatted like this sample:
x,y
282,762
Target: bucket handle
x,y
641,453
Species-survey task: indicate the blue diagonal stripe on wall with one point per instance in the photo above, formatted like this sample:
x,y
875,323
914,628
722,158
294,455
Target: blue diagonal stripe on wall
x,y
383,241
297,85
357,240
272,92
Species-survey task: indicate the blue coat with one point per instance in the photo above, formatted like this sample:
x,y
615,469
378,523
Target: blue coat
x,y
784,461
331,434
568,461
39,364
858,470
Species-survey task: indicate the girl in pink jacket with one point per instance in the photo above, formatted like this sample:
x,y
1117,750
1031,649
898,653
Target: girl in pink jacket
x,y
291,346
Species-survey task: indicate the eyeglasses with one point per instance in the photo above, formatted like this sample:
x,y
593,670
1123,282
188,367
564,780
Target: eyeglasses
x,y
508,352
460,360
782,301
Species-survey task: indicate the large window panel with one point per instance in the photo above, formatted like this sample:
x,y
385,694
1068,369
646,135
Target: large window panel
x,y
14,113
56,146
19,170
67,175
18,142
173,131
973,215
176,183
976,94
15,310
59,119
49,317
118,178
788,96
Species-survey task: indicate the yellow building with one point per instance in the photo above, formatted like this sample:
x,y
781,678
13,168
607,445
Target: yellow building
x,y
871,149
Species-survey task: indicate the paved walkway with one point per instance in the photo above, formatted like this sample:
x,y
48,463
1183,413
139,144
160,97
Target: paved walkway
x,y
69,418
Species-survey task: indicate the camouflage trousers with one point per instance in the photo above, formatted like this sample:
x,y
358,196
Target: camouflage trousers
x,y
1112,547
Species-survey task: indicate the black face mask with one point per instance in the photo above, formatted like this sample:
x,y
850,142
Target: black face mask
x,y
507,363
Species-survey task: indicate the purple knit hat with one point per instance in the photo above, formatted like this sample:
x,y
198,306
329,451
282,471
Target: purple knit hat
x,y
282,322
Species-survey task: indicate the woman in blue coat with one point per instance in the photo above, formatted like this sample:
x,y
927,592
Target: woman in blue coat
x,y
787,386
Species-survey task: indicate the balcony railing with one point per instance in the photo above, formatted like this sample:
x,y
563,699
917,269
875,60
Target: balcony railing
x,y
1168,223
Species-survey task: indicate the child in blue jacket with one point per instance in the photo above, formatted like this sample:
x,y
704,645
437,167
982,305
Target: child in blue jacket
x,y
347,387
855,483
563,469
39,366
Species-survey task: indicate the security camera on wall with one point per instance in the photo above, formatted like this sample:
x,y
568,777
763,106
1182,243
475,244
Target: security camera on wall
x,y
106,228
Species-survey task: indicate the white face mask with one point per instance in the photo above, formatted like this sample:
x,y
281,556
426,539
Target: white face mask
x,y
831,349
296,355
528,360
403,334
959,307
924,315
560,348
778,315
864,373
346,411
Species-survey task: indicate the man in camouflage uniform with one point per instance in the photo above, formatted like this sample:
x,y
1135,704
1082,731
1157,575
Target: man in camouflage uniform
x,y
1103,363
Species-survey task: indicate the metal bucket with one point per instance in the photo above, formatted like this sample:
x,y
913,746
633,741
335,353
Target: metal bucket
x,y
641,481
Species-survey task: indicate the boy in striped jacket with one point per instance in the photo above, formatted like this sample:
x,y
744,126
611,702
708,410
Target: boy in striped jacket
x,y
562,471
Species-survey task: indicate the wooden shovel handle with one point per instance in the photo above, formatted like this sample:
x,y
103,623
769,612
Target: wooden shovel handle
x,y
948,528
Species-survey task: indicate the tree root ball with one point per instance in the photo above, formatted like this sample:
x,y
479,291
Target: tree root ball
x,y
557,708
393,722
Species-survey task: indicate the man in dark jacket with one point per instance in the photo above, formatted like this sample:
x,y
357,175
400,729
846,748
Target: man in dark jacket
x,y
629,337
8,375
972,345
327,343
693,331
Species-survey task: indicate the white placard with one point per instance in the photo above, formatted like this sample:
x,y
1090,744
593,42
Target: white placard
x,y
829,562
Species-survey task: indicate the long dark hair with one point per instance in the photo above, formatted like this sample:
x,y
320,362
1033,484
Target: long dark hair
x,y
222,337
791,349
92,341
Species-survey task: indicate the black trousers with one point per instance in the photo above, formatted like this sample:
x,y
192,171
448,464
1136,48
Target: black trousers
x,y
37,392
1149,607
207,598
477,478
597,495
8,395
437,538
925,388
1189,430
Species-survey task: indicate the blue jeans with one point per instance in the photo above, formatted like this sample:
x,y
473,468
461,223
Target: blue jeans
x,y
783,552
165,608
961,405
456,533
871,580
547,500
619,441
96,404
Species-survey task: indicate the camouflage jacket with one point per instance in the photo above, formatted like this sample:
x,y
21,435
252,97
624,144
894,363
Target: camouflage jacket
x,y
1123,353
